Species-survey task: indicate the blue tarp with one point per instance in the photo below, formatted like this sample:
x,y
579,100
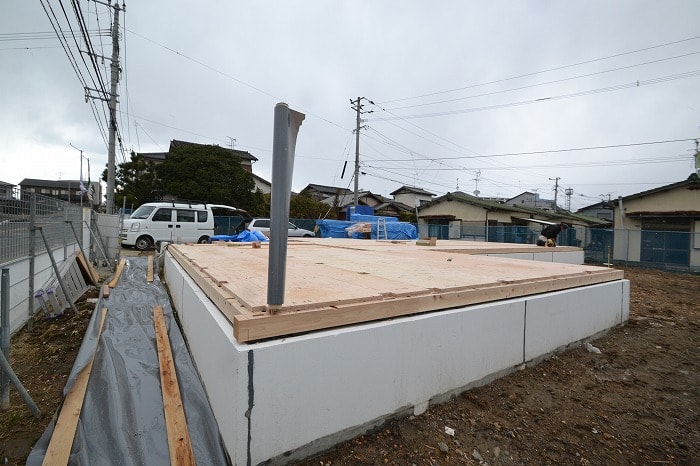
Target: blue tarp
x,y
395,230
243,237
371,218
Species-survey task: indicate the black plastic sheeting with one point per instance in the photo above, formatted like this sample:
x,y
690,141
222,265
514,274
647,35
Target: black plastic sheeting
x,y
122,420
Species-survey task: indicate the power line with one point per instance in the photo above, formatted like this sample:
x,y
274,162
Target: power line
x,y
606,163
543,71
618,87
551,151
556,81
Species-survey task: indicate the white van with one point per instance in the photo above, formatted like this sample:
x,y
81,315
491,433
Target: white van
x,y
176,221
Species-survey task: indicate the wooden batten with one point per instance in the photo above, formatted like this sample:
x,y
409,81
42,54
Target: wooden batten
x,y
61,443
118,273
179,444
149,271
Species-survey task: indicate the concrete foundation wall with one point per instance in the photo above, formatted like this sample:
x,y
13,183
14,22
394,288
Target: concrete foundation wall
x,y
291,397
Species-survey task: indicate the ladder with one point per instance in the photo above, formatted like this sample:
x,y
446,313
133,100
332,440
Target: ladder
x,y
381,225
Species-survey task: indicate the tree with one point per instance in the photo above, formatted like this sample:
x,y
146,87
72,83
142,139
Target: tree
x,y
136,182
303,206
210,174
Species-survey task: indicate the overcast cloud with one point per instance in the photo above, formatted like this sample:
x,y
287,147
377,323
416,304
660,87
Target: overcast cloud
x,y
207,71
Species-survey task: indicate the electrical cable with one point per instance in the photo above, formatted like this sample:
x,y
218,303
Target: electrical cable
x,y
530,86
586,62
662,79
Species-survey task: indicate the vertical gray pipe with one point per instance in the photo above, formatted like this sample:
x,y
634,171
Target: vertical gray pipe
x,y
5,335
32,257
286,128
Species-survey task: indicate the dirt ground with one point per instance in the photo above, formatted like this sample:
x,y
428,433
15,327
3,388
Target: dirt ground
x,y
635,402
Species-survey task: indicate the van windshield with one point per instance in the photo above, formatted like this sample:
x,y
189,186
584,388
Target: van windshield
x,y
142,212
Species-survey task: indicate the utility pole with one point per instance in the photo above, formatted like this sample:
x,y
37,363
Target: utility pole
x,y
114,67
357,106
556,190
83,189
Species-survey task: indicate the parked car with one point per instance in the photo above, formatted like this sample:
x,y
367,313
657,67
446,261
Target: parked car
x,y
175,221
263,225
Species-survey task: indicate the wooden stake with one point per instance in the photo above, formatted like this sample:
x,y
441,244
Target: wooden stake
x,y
175,421
149,273
117,274
58,451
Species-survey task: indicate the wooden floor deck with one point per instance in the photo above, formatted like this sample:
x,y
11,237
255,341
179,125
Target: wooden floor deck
x,y
330,283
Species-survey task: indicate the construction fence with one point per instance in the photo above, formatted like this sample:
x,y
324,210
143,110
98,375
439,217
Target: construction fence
x,y
40,238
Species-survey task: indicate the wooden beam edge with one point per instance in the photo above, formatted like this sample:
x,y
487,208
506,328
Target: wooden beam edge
x,y
248,327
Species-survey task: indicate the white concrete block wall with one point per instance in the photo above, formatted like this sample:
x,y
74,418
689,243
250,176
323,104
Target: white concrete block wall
x,y
554,320
313,390
219,358
310,386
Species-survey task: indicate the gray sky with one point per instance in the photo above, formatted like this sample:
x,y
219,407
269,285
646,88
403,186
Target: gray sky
x,y
496,78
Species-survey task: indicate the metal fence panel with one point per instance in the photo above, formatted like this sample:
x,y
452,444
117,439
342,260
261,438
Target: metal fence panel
x,y
21,214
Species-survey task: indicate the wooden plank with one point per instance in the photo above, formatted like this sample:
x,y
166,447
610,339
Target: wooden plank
x,y
61,443
87,267
255,327
176,424
149,273
117,274
105,291
222,298
330,285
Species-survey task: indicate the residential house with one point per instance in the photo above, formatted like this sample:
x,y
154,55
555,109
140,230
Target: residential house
x,y
262,184
321,192
602,210
341,202
6,190
412,196
66,190
531,200
661,226
247,159
393,208
460,215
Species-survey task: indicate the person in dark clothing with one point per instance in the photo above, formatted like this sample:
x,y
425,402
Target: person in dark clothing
x,y
548,236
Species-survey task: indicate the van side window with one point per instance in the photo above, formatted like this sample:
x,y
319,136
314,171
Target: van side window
x,y
264,223
202,216
185,215
162,215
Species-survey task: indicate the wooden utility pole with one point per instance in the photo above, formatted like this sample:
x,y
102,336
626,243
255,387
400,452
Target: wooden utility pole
x,y
357,106
556,190
111,155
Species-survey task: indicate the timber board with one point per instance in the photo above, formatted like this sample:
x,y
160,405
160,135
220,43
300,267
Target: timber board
x,y
329,286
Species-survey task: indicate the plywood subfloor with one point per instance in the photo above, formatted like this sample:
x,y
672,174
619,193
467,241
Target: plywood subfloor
x,y
334,283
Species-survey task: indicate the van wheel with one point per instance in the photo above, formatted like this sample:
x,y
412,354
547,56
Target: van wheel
x,y
203,240
144,243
